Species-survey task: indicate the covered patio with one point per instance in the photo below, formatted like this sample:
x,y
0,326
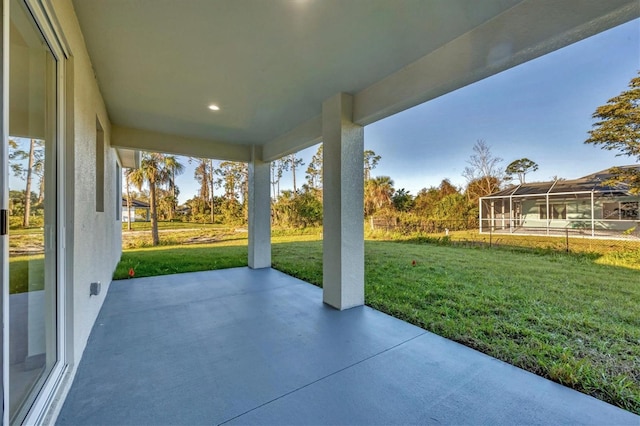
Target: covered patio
x,y
208,79
251,81
245,346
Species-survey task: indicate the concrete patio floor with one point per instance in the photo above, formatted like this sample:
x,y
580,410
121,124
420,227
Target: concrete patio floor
x,y
244,346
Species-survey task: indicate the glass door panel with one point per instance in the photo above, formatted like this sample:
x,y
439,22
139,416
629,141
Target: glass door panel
x,y
32,211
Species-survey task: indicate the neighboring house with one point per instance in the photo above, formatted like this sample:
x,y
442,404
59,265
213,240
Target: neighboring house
x,y
183,210
139,209
587,205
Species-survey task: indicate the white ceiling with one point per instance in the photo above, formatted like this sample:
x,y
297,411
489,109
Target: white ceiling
x,y
269,64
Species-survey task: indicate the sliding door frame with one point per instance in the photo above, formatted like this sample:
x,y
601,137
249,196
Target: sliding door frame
x,y
44,19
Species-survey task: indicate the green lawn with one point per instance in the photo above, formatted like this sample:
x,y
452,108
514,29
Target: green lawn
x,y
164,260
609,249
26,273
561,316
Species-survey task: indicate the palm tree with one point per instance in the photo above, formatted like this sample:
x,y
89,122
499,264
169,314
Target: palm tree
x,y
153,170
378,193
175,168
202,173
211,185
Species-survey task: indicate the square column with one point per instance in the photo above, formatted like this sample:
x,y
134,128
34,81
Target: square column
x,y
343,204
259,212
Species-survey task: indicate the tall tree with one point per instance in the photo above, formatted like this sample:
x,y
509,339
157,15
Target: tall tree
x,y
274,179
34,157
203,176
127,178
154,172
281,166
175,168
227,180
484,171
520,168
39,171
27,191
314,169
212,172
618,129
371,160
233,178
292,164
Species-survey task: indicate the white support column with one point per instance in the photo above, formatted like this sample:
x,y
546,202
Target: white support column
x,y
548,215
511,214
343,204
259,212
593,216
493,215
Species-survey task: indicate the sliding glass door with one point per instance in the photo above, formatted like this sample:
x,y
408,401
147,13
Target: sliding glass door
x,y
30,288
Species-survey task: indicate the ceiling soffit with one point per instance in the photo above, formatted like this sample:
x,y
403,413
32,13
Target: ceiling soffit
x,y
269,65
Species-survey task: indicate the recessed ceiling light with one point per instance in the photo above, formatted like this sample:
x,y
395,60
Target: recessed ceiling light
x,y
214,107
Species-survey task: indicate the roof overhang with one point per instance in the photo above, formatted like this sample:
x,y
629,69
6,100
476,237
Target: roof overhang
x,y
128,158
270,64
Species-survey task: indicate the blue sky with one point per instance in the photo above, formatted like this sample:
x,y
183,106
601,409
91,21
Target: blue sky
x,y
540,110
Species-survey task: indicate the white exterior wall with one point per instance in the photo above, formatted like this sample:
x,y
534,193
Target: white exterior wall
x,y
94,239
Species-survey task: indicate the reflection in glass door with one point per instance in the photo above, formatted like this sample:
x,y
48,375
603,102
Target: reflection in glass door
x,y
32,211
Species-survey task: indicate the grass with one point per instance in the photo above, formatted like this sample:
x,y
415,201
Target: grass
x,y
575,244
562,316
229,251
26,273
148,262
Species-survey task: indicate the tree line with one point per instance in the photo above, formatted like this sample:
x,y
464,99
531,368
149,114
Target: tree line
x,y
223,191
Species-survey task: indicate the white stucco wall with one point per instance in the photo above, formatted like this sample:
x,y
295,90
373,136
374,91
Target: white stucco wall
x,y
94,238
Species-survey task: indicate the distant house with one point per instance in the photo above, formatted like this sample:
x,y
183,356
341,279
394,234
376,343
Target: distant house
x,y
139,210
585,205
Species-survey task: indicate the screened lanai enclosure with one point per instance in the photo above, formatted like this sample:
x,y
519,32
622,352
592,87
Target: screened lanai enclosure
x,y
589,206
